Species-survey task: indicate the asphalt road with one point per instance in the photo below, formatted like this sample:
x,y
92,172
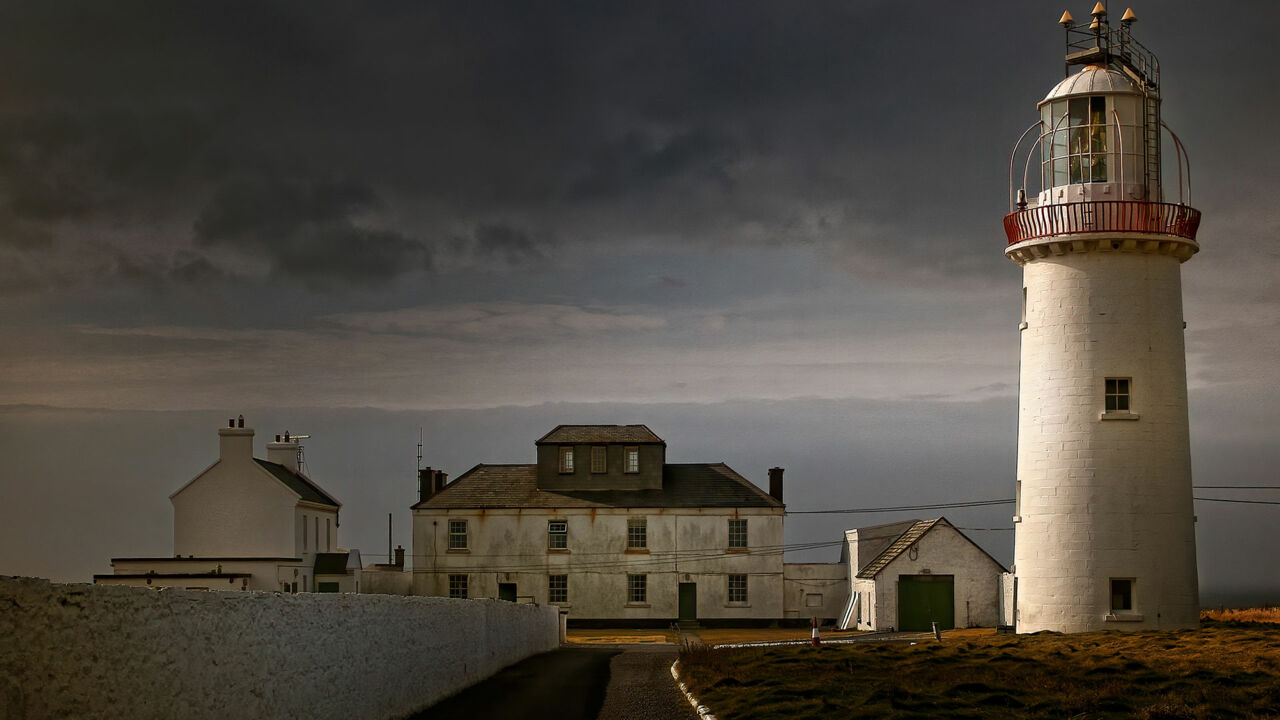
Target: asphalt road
x,y
575,683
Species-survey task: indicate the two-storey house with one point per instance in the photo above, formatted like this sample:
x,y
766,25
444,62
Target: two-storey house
x,y
602,526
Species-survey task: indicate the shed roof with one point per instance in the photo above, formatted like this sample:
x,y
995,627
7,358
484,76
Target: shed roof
x,y
683,485
299,483
600,434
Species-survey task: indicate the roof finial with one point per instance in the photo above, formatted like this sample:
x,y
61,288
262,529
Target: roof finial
x,y
1129,17
1099,10
1066,20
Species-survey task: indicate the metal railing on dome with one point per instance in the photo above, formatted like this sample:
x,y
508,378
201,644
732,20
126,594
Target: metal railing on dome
x,y
1102,216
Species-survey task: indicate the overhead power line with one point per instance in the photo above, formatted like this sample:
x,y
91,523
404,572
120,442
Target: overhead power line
x,y
1236,487
903,508
1246,502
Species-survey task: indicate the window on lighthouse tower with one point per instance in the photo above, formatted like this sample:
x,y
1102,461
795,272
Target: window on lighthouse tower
x,y
1077,150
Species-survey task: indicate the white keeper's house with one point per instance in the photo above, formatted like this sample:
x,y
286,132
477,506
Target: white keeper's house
x,y
602,526
249,524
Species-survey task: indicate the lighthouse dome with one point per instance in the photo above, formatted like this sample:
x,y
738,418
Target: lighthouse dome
x,y
1093,80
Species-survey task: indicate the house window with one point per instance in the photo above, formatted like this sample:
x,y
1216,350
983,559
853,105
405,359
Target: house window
x,y
558,589
737,588
1121,595
737,533
637,533
598,456
304,532
317,527
1117,392
637,589
457,534
566,458
632,460
813,600
557,535
328,536
458,587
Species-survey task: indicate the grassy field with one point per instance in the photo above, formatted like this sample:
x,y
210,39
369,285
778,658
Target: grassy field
x,y
1223,670
1265,614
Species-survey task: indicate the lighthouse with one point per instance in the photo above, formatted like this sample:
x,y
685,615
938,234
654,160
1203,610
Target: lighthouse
x,y
1104,525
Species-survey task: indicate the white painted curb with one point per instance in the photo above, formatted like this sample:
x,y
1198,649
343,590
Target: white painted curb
x,y
703,711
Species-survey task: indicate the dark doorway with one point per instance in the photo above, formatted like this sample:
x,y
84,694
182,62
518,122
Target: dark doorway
x,y
688,602
327,587
507,591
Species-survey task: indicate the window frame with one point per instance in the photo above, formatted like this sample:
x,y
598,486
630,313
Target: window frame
x,y
459,586
739,534
453,534
638,533
558,595
637,589
1117,391
599,459
557,539
566,459
631,459
736,595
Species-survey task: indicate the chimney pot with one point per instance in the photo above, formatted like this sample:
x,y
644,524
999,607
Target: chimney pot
x,y
775,483
241,420
231,422
442,478
400,556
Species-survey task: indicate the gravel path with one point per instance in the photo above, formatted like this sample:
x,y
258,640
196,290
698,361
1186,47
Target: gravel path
x,y
641,688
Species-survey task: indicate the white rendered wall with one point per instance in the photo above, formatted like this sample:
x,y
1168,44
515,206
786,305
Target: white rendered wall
x,y
1103,499
92,651
684,545
267,575
805,584
943,551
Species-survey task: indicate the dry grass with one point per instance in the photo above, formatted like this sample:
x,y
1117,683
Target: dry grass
x,y
1264,614
1218,671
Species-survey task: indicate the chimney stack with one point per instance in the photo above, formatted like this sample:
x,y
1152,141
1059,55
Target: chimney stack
x,y
775,483
284,451
426,484
235,443
441,479
400,556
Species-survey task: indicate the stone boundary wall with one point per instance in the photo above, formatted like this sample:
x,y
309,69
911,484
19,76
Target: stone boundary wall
x,y
94,651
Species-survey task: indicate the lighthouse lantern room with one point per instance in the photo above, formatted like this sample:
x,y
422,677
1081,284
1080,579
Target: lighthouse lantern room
x,y
1104,527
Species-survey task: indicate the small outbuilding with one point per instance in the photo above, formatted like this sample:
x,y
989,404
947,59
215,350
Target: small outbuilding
x,y
910,574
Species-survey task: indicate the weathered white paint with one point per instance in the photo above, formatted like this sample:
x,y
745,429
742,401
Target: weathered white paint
x,y
818,590
90,651
941,551
684,545
267,574
1104,498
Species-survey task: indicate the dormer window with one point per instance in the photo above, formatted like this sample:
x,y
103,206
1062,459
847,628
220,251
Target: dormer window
x,y
566,458
631,457
598,459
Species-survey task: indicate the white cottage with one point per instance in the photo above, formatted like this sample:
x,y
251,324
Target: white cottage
x,y
907,575
249,524
602,526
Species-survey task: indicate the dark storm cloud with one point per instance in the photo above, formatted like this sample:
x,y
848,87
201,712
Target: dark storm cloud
x,y
309,229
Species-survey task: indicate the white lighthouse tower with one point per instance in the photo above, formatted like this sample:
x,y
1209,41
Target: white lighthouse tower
x,y
1104,530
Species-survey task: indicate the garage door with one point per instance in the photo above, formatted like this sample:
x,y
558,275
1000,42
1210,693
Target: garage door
x,y
925,599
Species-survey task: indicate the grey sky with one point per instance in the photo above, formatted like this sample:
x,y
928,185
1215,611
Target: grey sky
x,y
422,207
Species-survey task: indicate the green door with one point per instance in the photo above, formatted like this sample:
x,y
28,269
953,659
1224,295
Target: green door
x,y
925,599
507,591
688,601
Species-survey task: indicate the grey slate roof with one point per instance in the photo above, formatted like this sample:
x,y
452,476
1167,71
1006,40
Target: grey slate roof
x,y
331,563
899,546
516,486
299,483
600,434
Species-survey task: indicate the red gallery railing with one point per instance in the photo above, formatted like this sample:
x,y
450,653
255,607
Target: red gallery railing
x,y
1102,216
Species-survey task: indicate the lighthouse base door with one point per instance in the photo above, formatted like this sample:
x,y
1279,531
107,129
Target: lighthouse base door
x,y
924,600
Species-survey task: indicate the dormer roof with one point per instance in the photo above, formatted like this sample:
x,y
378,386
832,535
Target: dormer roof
x,y
604,434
